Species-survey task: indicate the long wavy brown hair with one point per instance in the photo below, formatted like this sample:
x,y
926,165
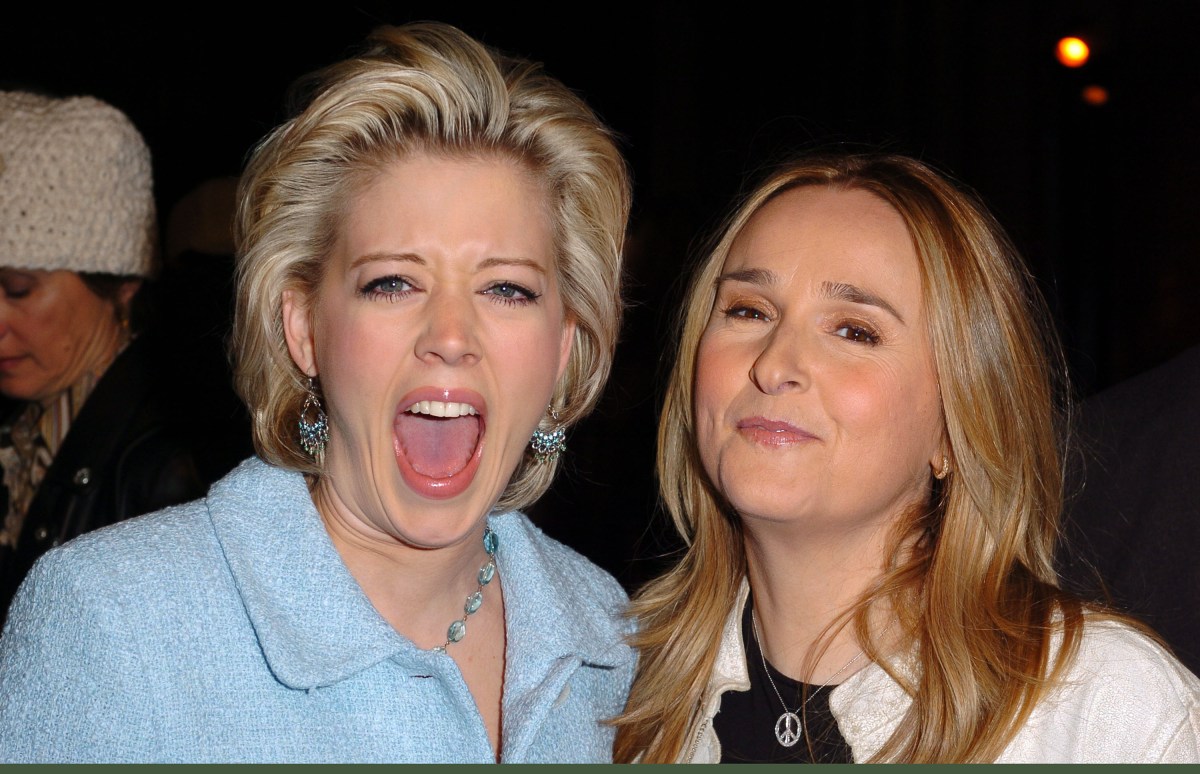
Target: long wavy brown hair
x,y
970,578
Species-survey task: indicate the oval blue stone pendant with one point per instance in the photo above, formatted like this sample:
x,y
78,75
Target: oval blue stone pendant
x,y
474,601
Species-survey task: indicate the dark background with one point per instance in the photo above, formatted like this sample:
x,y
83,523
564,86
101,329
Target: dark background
x,y
1099,198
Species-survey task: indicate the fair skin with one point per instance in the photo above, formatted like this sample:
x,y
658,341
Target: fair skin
x,y
438,334
817,409
53,330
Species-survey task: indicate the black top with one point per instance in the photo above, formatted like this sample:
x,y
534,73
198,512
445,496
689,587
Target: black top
x,y
746,722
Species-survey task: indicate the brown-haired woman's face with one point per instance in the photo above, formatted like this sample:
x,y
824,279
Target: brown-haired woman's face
x,y
52,330
816,394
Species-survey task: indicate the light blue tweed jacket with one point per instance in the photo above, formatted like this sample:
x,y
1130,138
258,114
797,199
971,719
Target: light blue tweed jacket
x,y
229,630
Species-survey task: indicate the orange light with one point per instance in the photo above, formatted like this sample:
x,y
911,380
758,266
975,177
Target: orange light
x,y
1072,52
1094,95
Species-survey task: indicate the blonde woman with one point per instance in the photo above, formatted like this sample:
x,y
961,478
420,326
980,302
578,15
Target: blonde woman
x,y
428,275
860,447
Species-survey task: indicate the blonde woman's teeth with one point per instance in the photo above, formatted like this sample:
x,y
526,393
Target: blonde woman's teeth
x,y
437,408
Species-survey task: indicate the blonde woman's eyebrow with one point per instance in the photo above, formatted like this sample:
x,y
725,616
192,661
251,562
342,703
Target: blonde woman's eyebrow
x,y
749,276
379,257
844,291
489,263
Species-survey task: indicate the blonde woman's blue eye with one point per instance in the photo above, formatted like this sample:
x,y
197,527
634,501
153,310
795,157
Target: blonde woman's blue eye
x,y
511,292
387,287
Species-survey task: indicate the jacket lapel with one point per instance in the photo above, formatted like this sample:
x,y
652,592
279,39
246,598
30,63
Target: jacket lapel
x,y
315,625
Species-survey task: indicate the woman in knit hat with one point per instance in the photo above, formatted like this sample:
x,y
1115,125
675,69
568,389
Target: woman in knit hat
x,y
85,443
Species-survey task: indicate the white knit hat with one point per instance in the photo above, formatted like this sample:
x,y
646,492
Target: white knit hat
x,y
75,187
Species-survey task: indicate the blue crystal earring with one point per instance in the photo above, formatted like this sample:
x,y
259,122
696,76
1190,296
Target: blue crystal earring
x,y
313,424
548,444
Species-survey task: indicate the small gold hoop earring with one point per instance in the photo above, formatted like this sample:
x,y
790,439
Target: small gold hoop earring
x,y
944,470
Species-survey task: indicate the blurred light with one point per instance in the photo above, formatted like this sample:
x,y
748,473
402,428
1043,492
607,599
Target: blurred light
x,y
1094,95
1072,52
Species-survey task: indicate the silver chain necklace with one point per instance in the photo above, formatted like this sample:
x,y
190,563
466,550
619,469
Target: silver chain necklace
x,y
789,727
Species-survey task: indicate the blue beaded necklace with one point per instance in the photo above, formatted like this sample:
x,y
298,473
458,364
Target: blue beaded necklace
x,y
458,629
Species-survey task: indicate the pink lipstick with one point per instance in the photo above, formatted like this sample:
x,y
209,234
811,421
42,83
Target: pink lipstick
x,y
773,432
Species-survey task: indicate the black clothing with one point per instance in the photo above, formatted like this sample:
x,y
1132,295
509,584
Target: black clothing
x,y
745,725
120,458
1133,502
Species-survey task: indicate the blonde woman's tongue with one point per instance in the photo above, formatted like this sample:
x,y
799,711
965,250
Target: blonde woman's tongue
x,y
437,447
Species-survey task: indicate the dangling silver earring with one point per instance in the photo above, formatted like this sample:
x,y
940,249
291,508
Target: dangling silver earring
x,y
548,444
314,425
945,469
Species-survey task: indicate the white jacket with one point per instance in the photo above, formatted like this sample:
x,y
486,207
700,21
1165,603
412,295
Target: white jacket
x,y
1124,700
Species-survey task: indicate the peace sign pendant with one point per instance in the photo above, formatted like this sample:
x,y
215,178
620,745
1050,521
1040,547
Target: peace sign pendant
x,y
787,729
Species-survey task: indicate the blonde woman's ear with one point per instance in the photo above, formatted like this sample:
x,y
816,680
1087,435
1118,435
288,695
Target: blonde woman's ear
x,y
297,329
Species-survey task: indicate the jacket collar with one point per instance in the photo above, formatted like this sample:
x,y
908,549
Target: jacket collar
x,y
315,625
730,672
869,706
555,610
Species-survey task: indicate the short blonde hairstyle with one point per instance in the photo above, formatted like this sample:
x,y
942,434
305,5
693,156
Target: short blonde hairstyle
x,y
971,575
423,88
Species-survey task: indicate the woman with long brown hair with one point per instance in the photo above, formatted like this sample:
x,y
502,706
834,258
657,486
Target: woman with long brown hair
x,y
861,445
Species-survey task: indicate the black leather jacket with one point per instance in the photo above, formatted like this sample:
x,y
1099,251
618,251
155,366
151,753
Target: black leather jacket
x,y
120,458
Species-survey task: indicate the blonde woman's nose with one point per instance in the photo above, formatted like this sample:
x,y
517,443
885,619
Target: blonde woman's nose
x,y
451,331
